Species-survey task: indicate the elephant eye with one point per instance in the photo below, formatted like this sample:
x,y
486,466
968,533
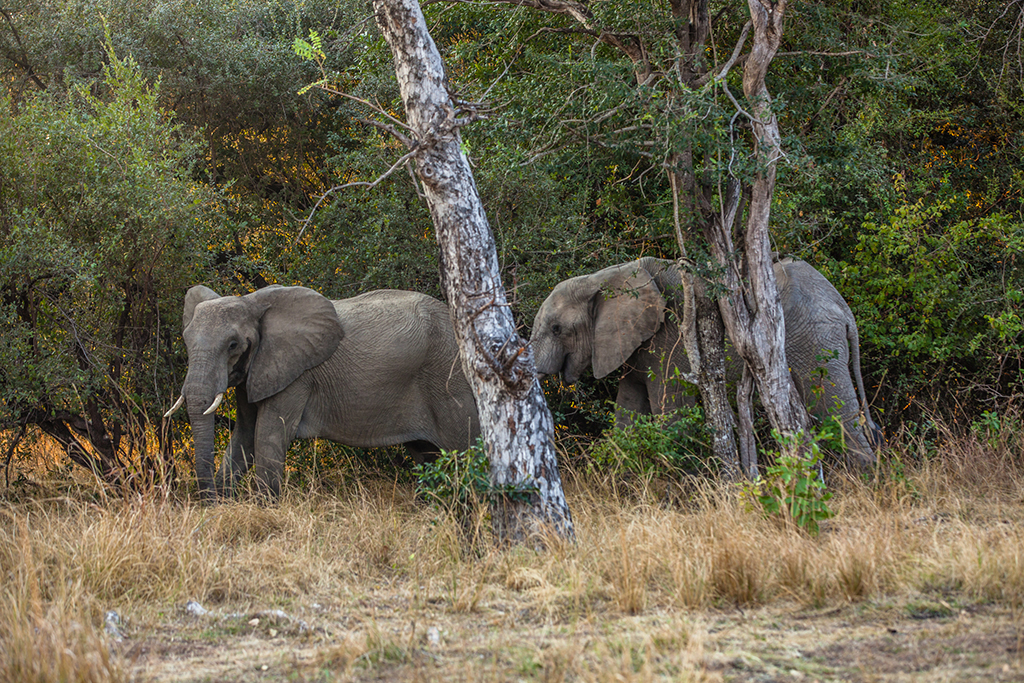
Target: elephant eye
x,y
232,346
556,329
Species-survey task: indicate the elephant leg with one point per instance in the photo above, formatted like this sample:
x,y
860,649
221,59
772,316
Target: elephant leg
x,y
660,365
631,399
668,396
276,426
838,397
239,458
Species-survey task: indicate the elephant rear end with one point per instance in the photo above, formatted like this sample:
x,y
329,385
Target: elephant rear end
x,y
823,352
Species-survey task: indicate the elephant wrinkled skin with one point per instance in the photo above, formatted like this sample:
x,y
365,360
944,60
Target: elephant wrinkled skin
x,y
616,318
378,369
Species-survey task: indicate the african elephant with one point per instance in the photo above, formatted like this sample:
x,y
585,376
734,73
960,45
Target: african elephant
x,y
615,318
378,369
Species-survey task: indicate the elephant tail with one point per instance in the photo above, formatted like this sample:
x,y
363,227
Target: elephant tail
x,y
853,338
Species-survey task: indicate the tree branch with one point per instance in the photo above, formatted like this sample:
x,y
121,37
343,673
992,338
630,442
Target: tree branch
x,y
724,71
21,64
360,183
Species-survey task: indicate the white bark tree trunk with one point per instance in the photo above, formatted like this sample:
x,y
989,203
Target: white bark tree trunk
x,y
514,416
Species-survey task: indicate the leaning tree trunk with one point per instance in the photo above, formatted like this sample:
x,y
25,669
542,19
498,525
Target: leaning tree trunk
x,y
752,311
514,417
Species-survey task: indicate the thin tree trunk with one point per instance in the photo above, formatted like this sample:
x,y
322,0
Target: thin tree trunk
x,y
704,339
514,417
752,312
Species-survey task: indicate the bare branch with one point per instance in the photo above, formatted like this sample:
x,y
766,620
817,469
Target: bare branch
x,y
736,103
818,53
390,130
10,453
21,63
570,30
372,105
724,71
360,183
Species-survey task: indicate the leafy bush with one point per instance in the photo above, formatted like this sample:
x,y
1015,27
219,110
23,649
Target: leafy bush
x,y
458,482
792,488
936,298
102,229
671,445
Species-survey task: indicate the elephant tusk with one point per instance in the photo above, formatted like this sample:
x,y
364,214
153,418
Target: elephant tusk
x,y
216,402
177,404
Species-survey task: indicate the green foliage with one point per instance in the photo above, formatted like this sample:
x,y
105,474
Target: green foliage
x,y
102,230
458,482
792,489
200,162
671,446
312,51
988,427
931,296
228,71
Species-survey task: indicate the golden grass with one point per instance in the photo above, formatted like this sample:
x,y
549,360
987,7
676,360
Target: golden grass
x,y
949,526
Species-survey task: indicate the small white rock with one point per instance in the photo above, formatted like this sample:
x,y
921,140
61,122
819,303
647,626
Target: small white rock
x,y
111,621
434,636
195,609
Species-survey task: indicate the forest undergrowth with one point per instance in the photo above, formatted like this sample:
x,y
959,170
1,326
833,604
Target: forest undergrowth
x,y
366,581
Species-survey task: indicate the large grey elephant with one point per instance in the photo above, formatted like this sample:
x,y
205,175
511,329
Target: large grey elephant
x,y
378,369
616,318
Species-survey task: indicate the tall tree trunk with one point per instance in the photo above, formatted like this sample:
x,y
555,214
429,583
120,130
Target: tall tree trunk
x,y
514,417
752,312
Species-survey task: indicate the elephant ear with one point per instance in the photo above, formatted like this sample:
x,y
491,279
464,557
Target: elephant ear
x,y
299,330
195,296
628,309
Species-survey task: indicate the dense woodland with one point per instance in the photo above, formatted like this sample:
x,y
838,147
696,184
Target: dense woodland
x,y
147,146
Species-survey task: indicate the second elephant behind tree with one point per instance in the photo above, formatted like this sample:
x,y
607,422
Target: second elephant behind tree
x,y
616,318
378,369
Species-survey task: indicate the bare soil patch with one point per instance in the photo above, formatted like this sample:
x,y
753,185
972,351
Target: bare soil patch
x,y
368,641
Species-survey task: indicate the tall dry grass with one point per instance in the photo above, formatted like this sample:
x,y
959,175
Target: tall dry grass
x,y
950,523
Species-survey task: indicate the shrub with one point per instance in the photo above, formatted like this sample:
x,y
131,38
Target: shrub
x,y
792,489
458,482
671,445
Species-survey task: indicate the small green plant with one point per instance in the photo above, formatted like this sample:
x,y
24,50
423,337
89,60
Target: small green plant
x,y
312,51
459,481
668,445
792,488
820,373
988,428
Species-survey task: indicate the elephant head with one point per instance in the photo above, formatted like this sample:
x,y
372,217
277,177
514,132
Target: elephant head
x,y
598,320
261,342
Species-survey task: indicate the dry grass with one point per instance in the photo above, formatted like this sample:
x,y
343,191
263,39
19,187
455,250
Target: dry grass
x,y
388,589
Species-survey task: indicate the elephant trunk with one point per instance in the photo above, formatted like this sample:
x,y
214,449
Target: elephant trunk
x,y
203,390
203,438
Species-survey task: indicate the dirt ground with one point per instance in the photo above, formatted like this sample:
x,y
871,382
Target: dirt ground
x,y
373,639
